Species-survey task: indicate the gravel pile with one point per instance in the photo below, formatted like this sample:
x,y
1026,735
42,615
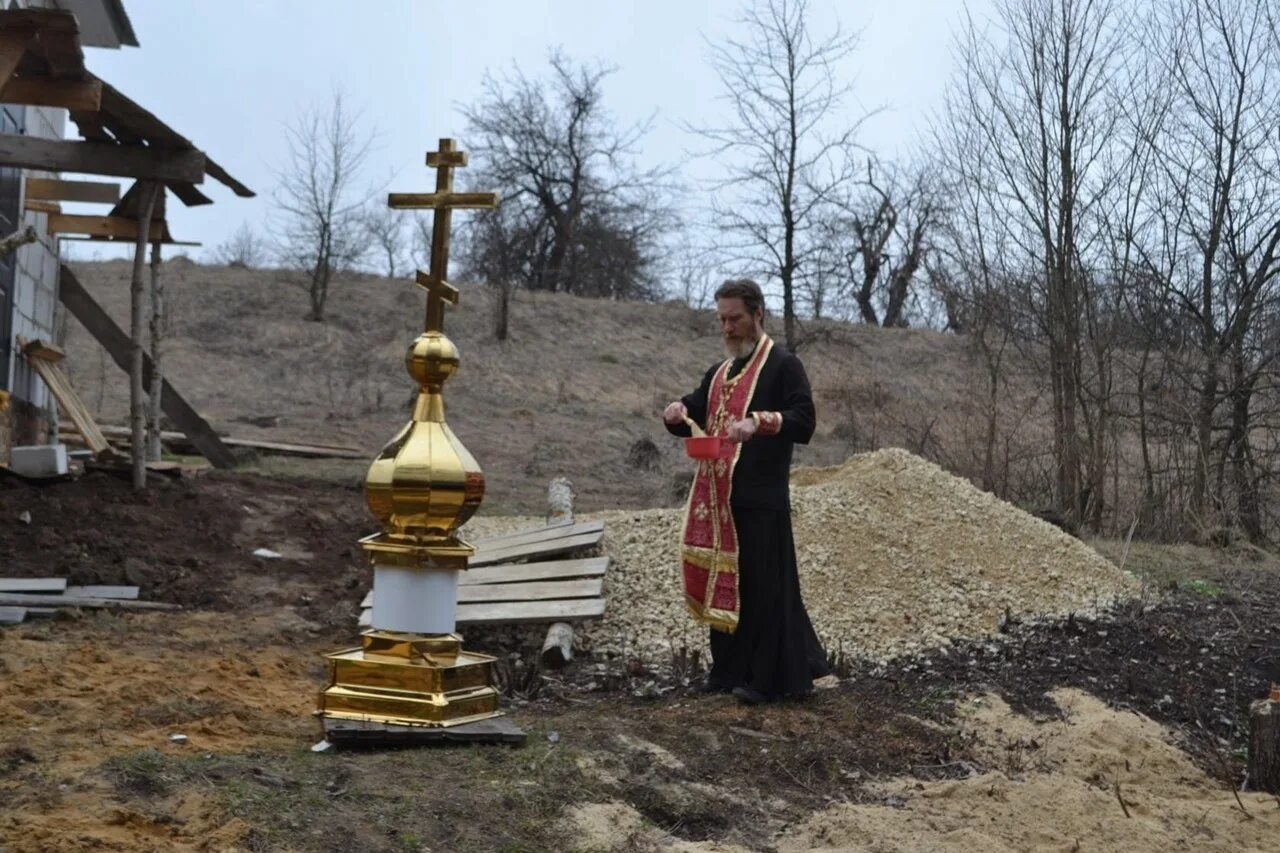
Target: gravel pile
x,y
895,555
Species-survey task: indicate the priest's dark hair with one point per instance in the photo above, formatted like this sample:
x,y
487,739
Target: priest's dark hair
x,y
742,288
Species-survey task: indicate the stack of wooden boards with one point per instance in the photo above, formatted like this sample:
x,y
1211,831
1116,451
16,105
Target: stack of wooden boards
x,y
497,588
23,597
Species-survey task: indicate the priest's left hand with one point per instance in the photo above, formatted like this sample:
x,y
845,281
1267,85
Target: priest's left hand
x,y
742,430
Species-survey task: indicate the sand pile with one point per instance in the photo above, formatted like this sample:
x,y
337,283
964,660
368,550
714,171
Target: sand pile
x,y
895,555
1054,785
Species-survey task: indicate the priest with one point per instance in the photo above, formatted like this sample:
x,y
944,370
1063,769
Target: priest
x,y
738,557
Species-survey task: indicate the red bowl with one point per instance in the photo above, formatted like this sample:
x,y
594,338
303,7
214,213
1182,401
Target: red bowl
x,y
708,447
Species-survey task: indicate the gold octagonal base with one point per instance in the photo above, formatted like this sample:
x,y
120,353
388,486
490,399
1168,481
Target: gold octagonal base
x,y
409,679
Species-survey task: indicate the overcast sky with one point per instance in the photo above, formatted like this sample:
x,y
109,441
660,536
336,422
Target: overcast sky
x,y
229,75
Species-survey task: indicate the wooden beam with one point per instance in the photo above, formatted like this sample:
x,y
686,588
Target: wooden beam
x,y
487,556
52,189
98,158
113,339
533,591
437,159
414,201
101,226
41,206
13,45
530,611
19,600
33,584
70,94
41,349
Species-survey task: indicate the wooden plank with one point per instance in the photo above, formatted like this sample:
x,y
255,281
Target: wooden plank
x,y
33,584
536,549
102,226
14,40
129,593
543,534
536,534
41,206
536,591
543,571
436,159
432,201
52,189
69,94
98,158
532,591
60,387
41,349
116,343
20,600
332,451
530,611
12,615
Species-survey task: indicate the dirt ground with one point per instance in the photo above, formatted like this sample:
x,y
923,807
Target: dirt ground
x,y
1121,733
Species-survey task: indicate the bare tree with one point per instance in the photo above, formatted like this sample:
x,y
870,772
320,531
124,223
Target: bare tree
x,y
578,215
1038,103
245,248
1213,232
882,239
783,166
385,230
320,229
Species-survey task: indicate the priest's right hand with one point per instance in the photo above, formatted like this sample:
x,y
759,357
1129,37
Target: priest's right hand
x,y
675,413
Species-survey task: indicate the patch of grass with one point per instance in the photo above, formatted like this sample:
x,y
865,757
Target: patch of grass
x,y
147,773
1200,586
609,358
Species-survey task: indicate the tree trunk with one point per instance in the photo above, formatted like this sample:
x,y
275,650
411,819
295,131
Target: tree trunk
x,y
137,406
1264,744
1203,448
557,648
502,310
157,341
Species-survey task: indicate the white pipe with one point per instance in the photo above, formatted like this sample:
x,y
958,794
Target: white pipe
x,y
414,601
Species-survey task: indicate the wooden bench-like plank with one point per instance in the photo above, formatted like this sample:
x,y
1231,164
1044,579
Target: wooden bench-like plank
x,y
535,591
587,567
530,611
52,585
129,593
515,612
549,548
12,615
540,534
521,573
19,600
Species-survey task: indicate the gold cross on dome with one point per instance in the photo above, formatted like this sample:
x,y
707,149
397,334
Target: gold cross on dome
x,y
443,201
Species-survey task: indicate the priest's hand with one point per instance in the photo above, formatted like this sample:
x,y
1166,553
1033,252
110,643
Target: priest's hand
x,y
675,413
742,430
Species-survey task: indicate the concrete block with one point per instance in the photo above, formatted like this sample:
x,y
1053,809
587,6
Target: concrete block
x,y
43,460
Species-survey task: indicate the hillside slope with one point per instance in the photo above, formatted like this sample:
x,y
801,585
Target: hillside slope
x,y
578,383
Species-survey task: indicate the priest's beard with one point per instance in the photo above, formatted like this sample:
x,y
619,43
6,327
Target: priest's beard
x,y
741,347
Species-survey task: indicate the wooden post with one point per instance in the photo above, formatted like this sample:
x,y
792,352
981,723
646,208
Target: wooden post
x,y
557,648
137,408
155,392
1264,743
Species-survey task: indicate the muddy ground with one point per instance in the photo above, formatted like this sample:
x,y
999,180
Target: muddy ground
x,y
622,754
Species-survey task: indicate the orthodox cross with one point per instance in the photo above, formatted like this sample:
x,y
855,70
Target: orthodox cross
x,y
443,201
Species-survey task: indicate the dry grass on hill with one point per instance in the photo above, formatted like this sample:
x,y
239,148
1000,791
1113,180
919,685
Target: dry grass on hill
x,y
579,382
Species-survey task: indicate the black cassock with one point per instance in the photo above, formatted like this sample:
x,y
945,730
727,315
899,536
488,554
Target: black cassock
x,y
774,650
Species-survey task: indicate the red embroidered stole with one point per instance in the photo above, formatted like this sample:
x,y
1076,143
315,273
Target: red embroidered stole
x,y
709,551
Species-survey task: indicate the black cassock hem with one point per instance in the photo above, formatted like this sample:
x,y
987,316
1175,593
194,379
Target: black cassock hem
x,y
774,650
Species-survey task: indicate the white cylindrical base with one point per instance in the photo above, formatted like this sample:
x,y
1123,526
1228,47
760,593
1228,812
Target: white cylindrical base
x,y
414,601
